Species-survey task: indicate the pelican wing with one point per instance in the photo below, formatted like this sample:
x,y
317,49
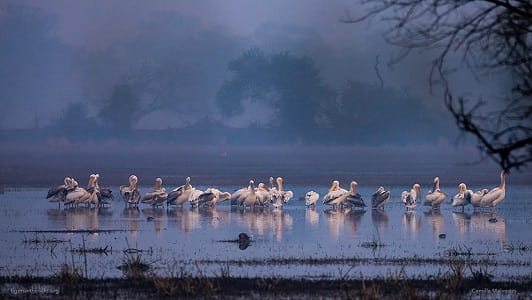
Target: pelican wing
x,y
56,190
355,200
287,196
333,195
206,197
491,196
379,199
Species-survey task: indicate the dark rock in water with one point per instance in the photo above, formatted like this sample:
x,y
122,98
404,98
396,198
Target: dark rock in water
x,y
493,220
149,219
243,241
442,236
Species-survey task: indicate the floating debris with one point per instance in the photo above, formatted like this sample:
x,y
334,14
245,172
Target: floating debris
x,y
442,236
243,241
493,220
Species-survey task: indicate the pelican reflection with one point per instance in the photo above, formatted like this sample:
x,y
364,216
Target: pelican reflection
x,y
353,218
158,216
312,216
335,221
380,218
411,223
130,215
436,222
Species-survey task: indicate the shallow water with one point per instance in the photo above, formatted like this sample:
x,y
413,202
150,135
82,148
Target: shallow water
x,y
284,240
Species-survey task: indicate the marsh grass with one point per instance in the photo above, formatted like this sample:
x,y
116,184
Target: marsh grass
x,y
42,240
374,244
98,250
521,247
134,266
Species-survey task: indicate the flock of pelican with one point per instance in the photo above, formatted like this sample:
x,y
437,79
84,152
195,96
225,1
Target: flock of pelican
x,y
72,195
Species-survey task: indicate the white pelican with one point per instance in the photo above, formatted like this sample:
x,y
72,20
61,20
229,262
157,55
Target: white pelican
x,y
193,197
130,194
58,193
461,199
212,196
336,195
158,196
238,196
181,194
105,195
250,197
409,198
353,198
435,197
380,198
311,198
475,198
263,195
77,195
280,197
496,195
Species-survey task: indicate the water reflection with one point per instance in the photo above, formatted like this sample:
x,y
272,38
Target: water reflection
x,y
187,219
267,221
380,219
81,218
353,218
157,216
312,216
214,217
335,221
131,215
491,224
462,221
411,224
436,222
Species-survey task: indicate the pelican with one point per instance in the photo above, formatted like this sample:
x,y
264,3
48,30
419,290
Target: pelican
x,y
263,195
58,193
380,198
193,196
496,195
104,195
76,194
238,196
475,198
212,196
250,196
461,199
181,194
280,197
130,194
311,198
435,197
353,198
409,198
158,196
336,195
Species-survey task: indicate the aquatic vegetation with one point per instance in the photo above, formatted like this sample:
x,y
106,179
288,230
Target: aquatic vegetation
x,y
98,250
42,240
373,244
134,267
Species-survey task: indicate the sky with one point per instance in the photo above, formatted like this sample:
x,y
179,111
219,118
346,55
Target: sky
x,y
96,45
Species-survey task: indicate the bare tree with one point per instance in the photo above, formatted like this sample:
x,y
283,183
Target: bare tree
x,y
489,36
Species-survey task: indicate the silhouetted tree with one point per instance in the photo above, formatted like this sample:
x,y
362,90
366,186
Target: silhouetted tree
x,y
365,113
123,108
290,84
74,121
491,36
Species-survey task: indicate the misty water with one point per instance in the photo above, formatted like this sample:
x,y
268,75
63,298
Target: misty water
x,y
294,241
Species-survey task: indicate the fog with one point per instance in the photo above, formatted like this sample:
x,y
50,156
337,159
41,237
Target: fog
x,y
212,72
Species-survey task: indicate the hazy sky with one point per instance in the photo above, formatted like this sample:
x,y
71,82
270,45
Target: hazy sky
x,y
107,41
